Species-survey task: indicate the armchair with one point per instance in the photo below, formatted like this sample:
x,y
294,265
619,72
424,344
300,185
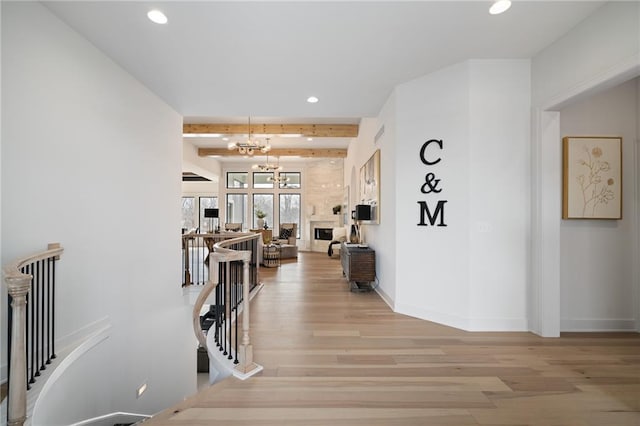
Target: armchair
x,y
287,238
338,236
288,233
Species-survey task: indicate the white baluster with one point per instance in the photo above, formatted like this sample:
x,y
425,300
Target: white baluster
x,y
246,350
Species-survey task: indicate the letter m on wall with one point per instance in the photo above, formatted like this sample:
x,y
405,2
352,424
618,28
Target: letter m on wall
x,y
431,218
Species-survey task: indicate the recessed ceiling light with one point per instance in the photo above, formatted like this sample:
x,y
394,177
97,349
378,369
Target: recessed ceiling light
x,y
158,17
499,7
312,99
309,139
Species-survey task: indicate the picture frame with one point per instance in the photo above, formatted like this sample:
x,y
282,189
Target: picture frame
x,y
592,177
370,186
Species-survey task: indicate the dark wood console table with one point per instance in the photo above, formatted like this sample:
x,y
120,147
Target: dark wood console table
x,y
358,266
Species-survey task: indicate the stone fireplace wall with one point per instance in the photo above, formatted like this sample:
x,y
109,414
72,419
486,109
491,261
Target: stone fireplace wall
x,y
324,190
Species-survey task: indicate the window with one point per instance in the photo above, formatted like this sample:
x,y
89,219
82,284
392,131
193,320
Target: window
x,y
261,180
237,179
263,202
290,209
237,208
253,190
207,224
293,182
188,213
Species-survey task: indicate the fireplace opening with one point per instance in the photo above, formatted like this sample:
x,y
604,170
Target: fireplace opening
x,y
324,234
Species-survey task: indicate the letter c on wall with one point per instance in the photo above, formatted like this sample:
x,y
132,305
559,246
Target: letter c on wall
x,y
424,148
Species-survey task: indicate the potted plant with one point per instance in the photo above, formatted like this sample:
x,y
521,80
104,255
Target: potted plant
x,y
260,214
337,209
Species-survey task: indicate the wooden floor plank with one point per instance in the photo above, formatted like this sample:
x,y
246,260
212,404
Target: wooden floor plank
x,y
332,357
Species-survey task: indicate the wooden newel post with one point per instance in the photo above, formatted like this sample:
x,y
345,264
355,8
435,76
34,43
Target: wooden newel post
x,y
246,350
18,287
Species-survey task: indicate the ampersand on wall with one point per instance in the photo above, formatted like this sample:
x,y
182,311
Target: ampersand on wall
x,y
431,184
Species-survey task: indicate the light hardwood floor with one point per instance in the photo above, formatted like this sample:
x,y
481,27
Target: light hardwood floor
x,y
332,357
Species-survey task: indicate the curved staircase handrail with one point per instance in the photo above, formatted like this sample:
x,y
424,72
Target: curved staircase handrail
x,y
242,236
13,269
202,297
222,254
19,286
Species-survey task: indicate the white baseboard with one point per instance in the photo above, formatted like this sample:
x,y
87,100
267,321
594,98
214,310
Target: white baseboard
x,y
498,324
466,324
67,341
595,325
112,418
82,333
385,297
439,317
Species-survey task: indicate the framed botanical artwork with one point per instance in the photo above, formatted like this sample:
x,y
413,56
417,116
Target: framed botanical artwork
x,y
592,177
370,186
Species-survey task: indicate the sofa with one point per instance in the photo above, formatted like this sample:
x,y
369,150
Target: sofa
x,y
236,227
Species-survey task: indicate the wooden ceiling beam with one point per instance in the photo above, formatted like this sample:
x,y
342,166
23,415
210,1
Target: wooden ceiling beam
x,y
307,130
279,152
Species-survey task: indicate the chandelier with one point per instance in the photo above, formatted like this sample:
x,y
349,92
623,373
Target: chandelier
x,y
250,146
278,178
267,167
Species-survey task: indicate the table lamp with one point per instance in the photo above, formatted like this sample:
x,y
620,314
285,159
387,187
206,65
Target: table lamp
x,y
362,212
211,214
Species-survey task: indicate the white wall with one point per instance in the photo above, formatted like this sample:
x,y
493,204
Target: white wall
x,y
385,236
636,247
204,166
604,41
472,273
600,52
3,290
596,275
203,188
380,237
433,262
499,99
89,158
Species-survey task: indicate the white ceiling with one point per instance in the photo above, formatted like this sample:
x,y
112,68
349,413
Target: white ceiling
x,y
218,61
